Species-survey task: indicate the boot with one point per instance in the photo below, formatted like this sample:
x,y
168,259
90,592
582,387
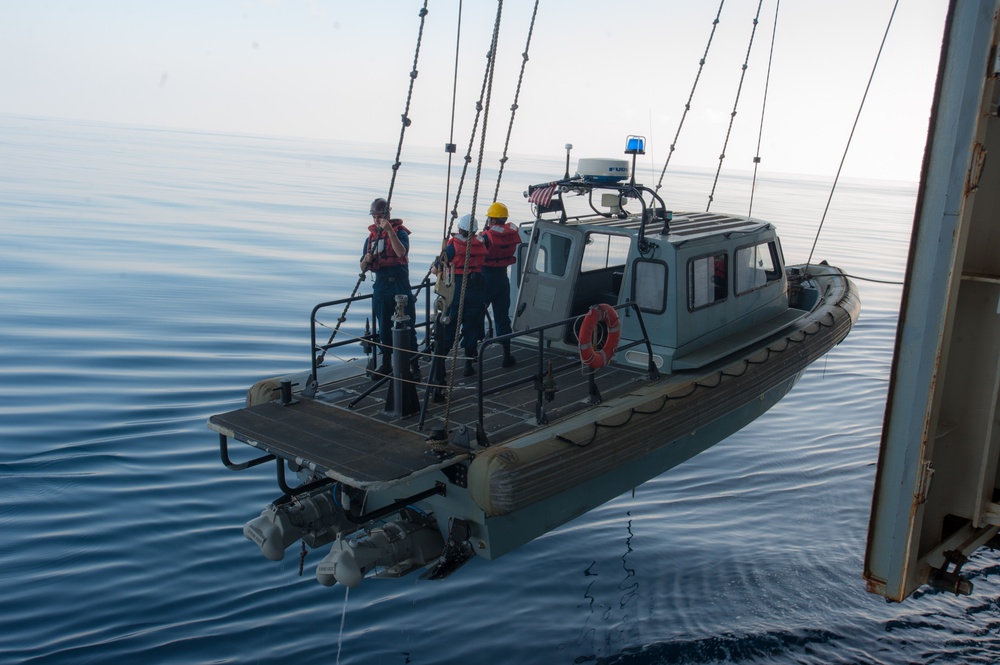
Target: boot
x,y
508,359
384,370
470,367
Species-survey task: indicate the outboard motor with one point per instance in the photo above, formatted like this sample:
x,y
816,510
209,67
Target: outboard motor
x,y
315,519
398,548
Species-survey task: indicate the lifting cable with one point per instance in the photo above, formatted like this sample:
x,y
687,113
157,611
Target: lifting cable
x,y
488,89
763,107
851,136
517,95
450,146
736,103
448,224
487,77
392,182
687,106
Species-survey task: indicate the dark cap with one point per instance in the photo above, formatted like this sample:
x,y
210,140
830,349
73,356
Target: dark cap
x,y
379,207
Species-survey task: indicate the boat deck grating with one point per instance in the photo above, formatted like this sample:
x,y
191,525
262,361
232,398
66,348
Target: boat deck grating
x,y
366,444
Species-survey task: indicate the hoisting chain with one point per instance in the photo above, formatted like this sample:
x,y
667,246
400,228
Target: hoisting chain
x,y
392,182
406,110
487,80
736,103
513,107
447,225
488,89
763,107
687,106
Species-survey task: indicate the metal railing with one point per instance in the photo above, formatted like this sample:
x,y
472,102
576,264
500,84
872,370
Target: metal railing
x,y
540,378
319,350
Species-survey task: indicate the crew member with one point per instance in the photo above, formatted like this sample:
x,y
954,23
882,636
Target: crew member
x,y
501,239
467,270
385,254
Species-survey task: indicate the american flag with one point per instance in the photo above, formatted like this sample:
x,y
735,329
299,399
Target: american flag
x,y
542,194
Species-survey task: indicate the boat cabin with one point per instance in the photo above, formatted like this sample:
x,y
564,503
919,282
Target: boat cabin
x,y
706,283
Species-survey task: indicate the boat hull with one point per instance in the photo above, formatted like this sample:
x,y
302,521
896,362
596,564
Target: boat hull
x,y
391,486
527,487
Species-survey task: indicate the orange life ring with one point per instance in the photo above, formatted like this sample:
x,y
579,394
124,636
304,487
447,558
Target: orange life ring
x,y
598,352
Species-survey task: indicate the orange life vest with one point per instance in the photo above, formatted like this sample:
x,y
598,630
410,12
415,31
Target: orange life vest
x,y
477,255
503,242
383,255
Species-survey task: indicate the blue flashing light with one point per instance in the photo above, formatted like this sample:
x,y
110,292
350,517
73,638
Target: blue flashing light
x,y
635,145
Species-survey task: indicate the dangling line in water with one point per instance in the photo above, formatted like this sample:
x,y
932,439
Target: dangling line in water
x,y
343,616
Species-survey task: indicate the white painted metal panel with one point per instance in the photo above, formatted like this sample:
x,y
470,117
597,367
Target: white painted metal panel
x,y
936,494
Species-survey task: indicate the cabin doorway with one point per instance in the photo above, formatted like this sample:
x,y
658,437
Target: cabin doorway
x,y
567,270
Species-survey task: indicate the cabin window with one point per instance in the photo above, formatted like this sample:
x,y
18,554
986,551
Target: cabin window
x,y
708,280
756,266
649,287
604,250
552,254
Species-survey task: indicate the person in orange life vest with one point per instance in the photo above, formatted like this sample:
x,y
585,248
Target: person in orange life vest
x,y
501,239
385,254
472,312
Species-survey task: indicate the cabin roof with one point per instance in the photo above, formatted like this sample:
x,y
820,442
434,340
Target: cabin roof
x,y
684,226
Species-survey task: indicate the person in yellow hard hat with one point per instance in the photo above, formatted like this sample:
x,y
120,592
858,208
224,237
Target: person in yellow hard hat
x,y
501,239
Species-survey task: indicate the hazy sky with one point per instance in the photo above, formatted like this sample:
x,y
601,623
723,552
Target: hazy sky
x,y
598,71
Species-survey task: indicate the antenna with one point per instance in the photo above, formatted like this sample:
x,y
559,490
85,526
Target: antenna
x,y
569,146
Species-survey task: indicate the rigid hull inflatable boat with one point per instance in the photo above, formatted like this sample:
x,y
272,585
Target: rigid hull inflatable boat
x,y
641,336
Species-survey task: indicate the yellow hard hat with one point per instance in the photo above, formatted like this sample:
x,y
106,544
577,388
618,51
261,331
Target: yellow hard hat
x,y
497,210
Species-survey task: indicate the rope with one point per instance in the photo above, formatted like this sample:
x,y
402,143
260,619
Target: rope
x,y
343,317
736,103
849,138
487,78
395,169
409,97
763,106
472,138
488,88
513,107
353,362
450,146
687,106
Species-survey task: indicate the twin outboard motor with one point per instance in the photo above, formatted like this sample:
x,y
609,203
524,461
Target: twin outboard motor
x,y
396,548
315,519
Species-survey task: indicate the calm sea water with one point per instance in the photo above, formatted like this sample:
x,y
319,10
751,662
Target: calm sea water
x,y
148,277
